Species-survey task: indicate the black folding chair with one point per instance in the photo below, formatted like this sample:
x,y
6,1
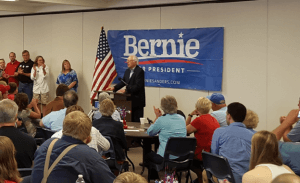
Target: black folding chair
x,y
111,158
184,149
25,171
217,166
42,134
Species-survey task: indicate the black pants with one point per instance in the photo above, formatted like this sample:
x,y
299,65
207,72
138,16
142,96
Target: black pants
x,y
137,113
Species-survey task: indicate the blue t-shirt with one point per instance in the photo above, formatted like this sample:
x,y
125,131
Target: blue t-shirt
x,y
55,119
234,143
169,125
290,154
294,134
220,115
67,79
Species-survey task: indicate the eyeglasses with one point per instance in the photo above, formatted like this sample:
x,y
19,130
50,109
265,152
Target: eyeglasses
x,y
130,61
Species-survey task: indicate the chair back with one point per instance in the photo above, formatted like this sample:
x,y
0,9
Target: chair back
x,y
183,148
25,171
110,153
44,133
217,166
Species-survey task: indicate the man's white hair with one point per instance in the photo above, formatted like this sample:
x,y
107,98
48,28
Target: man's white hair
x,y
103,96
135,58
8,111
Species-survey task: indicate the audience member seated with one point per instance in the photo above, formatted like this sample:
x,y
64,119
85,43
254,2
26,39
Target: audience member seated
x,y
286,178
98,142
219,108
292,134
265,162
12,91
130,177
80,159
58,103
8,163
168,125
251,120
290,151
97,115
25,114
203,126
234,142
54,120
107,126
4,91
24,144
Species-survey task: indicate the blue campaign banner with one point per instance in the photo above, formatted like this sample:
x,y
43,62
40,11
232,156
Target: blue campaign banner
x,y
172,58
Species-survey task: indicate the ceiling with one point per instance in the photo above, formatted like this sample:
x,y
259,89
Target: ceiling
x,y
41,6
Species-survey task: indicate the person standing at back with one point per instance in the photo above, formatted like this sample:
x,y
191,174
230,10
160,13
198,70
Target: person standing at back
x,y
23,72
11,68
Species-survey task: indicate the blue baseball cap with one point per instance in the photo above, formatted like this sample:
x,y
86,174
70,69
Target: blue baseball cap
x,y
217,98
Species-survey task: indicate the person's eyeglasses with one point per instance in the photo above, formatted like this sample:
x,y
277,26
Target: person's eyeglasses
x,y
130,61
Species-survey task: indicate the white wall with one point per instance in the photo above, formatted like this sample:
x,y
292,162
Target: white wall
x,y
260,49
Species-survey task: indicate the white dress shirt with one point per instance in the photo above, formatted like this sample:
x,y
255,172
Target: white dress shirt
x,y
98,142
40,81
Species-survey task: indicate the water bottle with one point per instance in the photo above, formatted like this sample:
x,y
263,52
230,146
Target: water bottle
x,y
80,179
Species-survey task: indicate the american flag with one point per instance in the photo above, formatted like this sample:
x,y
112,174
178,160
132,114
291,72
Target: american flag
x,y
105,70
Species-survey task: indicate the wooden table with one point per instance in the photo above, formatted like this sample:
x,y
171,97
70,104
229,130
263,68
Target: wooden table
x,y
142,137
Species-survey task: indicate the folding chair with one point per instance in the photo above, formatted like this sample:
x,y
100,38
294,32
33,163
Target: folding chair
x,y
217,166
184,149
25,171
111,158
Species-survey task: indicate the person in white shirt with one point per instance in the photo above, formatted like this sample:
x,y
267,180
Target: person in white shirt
x,y
265,163
39,75
98,142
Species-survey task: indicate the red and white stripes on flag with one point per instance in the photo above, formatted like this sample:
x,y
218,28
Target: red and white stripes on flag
x,y
105,70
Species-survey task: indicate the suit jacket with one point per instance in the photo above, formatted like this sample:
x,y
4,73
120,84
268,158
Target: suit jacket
x,y
136,86
114,129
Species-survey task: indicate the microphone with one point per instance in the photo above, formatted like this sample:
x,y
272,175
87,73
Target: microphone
x,y
120,79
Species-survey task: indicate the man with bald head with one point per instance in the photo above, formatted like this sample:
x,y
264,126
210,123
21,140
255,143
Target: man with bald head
x,y
134,77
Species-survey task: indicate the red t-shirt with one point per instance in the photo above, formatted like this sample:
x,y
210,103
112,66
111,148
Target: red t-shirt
x,y
10,70
11,96
205,125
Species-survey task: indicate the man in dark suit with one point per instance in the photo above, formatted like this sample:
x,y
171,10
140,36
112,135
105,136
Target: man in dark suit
x,y
134,77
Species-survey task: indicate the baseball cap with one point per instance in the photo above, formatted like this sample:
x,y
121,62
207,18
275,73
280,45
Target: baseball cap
x,y
216,98
3,88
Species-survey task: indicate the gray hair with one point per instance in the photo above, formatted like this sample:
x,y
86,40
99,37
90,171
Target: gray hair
x,y
169,104
135,58
107,107
70,98
8,111
103,96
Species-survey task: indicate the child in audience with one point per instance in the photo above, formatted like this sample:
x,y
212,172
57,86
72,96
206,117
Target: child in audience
x,y
130,177
12,91
8,163
265,162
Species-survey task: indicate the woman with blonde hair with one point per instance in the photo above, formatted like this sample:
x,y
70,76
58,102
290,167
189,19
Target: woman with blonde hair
x,y
203,126
251,120
265,163
130,177
68,76
8,164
